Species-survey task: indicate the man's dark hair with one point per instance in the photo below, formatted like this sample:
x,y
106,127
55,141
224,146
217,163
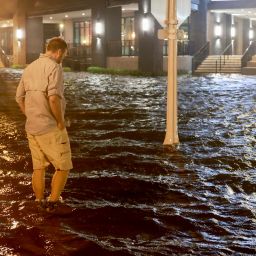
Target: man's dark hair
x,y
55,44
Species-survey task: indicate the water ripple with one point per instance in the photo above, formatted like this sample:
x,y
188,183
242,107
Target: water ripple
x,y
131,195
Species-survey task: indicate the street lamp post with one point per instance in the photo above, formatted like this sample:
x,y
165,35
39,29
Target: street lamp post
x,y
171,136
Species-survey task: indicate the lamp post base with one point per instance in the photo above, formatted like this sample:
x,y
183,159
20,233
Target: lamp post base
x,y
169,140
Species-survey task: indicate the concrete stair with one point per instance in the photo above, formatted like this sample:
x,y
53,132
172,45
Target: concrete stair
x,y
232,64
250,69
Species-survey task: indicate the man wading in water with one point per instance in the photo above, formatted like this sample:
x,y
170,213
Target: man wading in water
x,y
40,95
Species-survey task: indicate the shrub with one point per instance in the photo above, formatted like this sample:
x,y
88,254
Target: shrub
x,y
67,69
16,66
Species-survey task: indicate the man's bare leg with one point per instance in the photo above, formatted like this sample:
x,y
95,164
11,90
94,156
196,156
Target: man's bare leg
x,y
59,180
38,183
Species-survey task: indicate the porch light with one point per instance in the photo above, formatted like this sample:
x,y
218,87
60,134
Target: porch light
x,y
218,30
145,24
251,34
233,32
19,34
98,28
61,28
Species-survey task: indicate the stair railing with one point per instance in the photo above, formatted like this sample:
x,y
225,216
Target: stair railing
x,y
225,55
4,58
200,56
249,52
216,66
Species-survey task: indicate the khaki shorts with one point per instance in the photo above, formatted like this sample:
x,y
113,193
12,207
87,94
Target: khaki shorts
x,y
52,147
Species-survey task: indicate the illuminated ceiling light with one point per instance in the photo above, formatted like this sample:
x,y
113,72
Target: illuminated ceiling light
x,y
61,26
66,16
83,14
51,18
123,9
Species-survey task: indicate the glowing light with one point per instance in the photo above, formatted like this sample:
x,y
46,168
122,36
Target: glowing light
x,y
133,35
85,42
145,24
218,30
251,34
19,34
66,16
233,32
98,28
218,18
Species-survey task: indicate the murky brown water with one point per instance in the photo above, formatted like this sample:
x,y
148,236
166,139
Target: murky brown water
x,y
132,196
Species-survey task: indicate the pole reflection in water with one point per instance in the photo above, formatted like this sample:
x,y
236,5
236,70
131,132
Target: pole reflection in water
x,y
132,196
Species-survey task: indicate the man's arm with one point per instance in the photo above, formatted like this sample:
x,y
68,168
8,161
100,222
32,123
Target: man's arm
x,y
55,105
20,95
22,106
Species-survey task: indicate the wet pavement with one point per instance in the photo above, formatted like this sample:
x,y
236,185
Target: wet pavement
x,y
130,195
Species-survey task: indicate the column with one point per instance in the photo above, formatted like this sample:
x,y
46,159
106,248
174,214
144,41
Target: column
x,y
68,31
19,36
113,31
35,41
150,47
99,35
246,29
198,28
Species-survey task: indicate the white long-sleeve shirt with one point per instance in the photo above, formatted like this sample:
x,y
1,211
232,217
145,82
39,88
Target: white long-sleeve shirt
x,y
41,79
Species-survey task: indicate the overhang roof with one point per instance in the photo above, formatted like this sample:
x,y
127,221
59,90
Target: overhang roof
x,y
235,4
241,8
43,7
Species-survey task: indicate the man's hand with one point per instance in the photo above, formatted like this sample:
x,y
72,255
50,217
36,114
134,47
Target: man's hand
x,y
22,106
55,105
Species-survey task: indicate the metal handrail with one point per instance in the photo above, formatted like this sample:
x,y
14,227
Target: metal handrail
x,y
4,58
249,52
224,53
79,50
223,57
200,56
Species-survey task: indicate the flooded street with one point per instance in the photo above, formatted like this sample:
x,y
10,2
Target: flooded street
x,y
132,196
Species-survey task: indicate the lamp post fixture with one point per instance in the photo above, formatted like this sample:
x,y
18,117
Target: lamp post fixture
x,y
171,136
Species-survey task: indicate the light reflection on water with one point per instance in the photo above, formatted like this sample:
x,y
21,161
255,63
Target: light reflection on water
x,y
132,196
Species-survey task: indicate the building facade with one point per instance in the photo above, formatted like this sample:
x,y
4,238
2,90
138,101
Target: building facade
x,y
121,33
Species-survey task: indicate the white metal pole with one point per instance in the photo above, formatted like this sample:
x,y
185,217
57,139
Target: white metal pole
x,y
171,136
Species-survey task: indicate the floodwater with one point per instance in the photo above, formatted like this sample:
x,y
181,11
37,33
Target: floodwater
x,y
131,195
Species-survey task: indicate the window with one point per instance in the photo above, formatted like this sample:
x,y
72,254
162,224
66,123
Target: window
x,y
128,36
82,33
